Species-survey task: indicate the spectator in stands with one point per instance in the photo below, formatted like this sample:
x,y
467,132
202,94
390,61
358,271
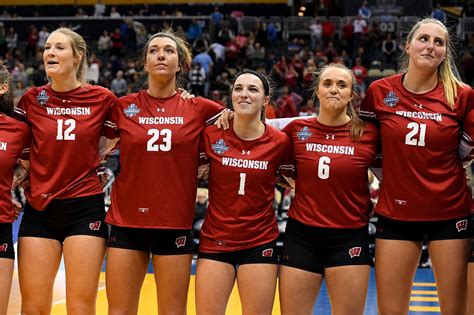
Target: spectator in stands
x,y
15,137
420,145
360,73
438,13
347,34
116,43
328,29
93,71
193,32
238,237
225,34
272,33
12,39
364,10
65,211
42,36
103,46
99,8
3,40
31,41
286,105
159,139
308,109
316,36
389,52
197,79
207,64
360,27
308,74
217,17
18,91
328,237
114,13
119,85
256,56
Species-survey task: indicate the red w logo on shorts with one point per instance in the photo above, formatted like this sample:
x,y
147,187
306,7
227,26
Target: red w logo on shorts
x,y
180,241
461,225
355,251
267,252
3,247
95,226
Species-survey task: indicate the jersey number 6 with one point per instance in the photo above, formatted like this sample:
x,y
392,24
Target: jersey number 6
x,y
323,167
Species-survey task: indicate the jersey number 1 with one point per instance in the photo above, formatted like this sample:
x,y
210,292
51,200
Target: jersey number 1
x,y
241,191
65,129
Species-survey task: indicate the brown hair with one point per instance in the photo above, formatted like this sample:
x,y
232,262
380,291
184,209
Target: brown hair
x,y
445,69
6,100
267,87
357,125
79,46
184,53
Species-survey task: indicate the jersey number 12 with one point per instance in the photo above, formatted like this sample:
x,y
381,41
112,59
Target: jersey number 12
x,y
65,129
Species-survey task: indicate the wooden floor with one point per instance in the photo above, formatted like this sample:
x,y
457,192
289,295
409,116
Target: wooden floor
x,y
424,298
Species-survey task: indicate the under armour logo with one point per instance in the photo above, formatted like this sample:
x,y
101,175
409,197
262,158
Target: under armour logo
x,y
160,110
419,105
330,137
245,152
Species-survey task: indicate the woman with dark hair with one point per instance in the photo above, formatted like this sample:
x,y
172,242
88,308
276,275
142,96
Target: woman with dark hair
x,y
238,237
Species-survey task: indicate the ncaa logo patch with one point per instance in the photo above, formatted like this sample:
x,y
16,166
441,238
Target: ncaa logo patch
x,y
355,251
3,247
461,225
303,134
180,241
95,226
219,147
267,252
391,99
42,98
132,110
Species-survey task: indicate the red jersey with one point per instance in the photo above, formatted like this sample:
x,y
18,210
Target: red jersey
x,y
66,128
423,178
159,143
331,174
242,182
466,144
14,136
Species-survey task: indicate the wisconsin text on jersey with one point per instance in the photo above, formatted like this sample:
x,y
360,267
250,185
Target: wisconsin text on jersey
x,y
242,163
327,148
420,115
175,120
74,111
3,146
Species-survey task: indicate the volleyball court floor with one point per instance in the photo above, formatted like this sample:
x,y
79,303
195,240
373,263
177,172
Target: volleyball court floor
x,y
424,298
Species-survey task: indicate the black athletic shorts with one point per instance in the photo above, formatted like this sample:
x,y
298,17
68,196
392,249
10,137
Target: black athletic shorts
x,y
155,241
262,254
459,228
66,217
6,241
314,249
